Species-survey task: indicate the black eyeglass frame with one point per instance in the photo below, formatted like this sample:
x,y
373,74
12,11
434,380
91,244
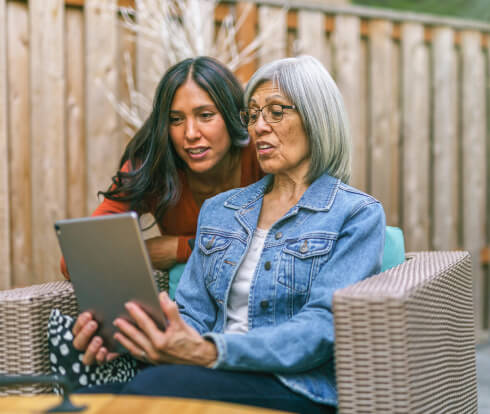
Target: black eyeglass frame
x,y
246,112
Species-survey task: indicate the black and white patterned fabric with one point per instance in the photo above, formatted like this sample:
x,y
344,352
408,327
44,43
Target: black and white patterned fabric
x,y
67,361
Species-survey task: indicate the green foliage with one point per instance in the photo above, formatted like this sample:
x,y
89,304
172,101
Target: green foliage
x,y
468,9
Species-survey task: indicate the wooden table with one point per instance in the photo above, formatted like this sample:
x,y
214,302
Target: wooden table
x,y
112,404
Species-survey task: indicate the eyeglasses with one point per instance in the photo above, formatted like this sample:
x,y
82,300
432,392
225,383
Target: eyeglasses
x,y
271,113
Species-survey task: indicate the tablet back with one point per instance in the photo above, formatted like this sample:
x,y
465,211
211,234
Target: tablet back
x,y
109,265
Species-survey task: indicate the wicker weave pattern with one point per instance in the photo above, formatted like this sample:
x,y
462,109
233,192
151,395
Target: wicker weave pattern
x,y
23,328
405,339
24,317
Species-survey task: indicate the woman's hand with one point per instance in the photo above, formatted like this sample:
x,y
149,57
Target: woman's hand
x,y
84,340
163,251
178,344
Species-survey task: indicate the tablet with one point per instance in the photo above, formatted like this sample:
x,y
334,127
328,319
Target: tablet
x,y
109,265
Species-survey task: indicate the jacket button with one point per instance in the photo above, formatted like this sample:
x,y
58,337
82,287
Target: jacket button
x,y
278,235
304,247
264,304
267,265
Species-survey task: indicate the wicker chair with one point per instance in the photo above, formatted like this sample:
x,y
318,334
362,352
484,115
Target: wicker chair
x,y
405,339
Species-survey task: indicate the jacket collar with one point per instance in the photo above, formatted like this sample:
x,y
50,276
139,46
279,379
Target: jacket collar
x,y
319,196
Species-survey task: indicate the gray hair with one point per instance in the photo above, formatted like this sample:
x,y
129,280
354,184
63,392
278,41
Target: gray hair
x,y
309,86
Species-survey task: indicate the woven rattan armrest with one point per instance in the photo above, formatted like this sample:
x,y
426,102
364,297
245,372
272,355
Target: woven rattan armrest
x,y
24,317
405,339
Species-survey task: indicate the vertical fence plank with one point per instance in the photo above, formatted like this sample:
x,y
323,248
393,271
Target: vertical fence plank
x,y
75,114
416,136
346,42
149,57
144,54
127,65
445,171
312,39
5,271
19,143
383,145
487,75
273,23
103,144
394,217
473,159
47,133
363,116
246,33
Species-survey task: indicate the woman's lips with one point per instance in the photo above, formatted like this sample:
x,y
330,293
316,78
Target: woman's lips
x,y
264,148
197,153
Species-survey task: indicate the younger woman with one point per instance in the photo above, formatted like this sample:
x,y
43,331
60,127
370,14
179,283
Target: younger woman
x,y
191,147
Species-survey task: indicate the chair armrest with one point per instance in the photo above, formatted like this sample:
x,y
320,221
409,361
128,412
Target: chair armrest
x,y
405,338
24,317
23,329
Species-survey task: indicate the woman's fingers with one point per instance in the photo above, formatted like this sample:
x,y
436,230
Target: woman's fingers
x,y
136,350
111,356
148,336
81,321
84,336
101,355
170,309
134,340
89,357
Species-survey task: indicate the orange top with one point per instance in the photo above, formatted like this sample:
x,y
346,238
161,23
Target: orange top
x,y
181,219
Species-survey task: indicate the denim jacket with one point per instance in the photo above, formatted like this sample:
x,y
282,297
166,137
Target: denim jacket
x,y
332,238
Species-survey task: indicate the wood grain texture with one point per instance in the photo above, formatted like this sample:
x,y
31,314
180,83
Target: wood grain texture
x,y
151,60
394,217
312,38
48,133
246,33
474,209
272,24
5,258
487,74
75,115
363,182
103,140
416,137
19,143
445,145
383,144
346,43
127,70
111,404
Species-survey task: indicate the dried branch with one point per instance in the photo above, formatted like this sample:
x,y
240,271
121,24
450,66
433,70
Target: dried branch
x,y
168,31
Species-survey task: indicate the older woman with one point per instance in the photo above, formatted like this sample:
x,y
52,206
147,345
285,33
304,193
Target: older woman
x,y
255,300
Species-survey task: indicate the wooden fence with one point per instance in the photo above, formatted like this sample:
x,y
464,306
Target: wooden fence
x,y
416,88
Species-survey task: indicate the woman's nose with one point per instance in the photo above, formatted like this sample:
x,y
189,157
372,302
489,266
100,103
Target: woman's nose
x,y
261,125
191,130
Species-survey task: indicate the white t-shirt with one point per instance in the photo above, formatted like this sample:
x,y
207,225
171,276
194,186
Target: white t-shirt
x,y
237,310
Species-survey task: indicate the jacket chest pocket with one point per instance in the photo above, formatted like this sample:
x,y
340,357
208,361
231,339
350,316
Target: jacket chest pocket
x,y
213,247
301,259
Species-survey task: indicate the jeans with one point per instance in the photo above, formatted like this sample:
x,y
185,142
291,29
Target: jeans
x,y
185,381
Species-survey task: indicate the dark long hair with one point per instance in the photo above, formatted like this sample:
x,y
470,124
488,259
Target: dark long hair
x,y
152,157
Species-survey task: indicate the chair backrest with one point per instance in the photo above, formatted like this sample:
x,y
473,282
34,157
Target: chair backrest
x,y
394,251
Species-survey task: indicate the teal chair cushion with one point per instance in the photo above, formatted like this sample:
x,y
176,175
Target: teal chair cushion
x,y
394,251
174,275
393,255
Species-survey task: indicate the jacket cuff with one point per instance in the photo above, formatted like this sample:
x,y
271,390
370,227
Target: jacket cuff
x,y
220,343
183,249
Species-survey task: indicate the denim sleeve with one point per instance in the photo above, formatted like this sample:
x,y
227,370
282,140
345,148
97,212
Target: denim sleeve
x,y
196,306
306,340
